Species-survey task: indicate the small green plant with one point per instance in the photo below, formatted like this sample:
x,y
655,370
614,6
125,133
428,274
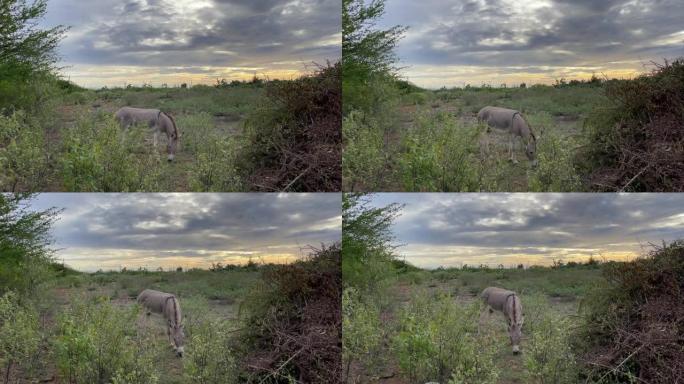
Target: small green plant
x,y
209,358
548,353
96,343
23,154
361,331
19,335
438,341
216,166
363,157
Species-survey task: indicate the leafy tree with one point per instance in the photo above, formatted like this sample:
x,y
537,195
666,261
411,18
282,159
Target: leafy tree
x,y
27,52
367,249
25,238
366,50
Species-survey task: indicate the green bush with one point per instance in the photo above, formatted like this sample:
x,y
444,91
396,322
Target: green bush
x,y
96,343
438,341
362,332
548,352
19,335
95,157
23,154
363,157
437,155
209,358
215,169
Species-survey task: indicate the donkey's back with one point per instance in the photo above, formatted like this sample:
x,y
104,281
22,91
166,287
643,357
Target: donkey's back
x,y
496,297
154,301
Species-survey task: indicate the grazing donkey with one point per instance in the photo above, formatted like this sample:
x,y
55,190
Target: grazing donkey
x,y
167,305
514,124
509,303
157,120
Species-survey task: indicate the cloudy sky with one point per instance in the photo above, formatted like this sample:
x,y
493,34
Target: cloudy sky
x,y
113,42
454,42
110,231
441,229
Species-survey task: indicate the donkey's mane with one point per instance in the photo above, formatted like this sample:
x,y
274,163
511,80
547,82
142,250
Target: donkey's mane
x,y
173,121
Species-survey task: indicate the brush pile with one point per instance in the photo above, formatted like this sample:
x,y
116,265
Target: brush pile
x,y
295,140
294,322
637,142
635,326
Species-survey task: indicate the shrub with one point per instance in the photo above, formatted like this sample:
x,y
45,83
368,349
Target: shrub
x,y
294,141
209,359
635,141
23,157
96,343
633,323
215,169
295,322
363,157
362,331
548,354
19,335
437,341
436,155
556,171
95,157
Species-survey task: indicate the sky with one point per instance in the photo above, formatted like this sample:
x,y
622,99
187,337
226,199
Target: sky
x,y
453,43
110,231
450,230
116,42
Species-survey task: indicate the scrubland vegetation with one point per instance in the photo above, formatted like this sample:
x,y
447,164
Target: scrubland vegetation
x,y
235,136
592,322
592,135
243,324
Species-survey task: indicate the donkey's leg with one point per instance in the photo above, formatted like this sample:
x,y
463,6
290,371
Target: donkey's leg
x,y
511,143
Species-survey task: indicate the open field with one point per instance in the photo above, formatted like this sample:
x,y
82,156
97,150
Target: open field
x,y
545,293
433,142
206,298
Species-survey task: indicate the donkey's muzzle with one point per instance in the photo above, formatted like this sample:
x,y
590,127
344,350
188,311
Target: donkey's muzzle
x,y
516,349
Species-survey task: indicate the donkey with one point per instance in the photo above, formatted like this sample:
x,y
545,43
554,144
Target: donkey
x,y
157,120
509,303
512,122
167,305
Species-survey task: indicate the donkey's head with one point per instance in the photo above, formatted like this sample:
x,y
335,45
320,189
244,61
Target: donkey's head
x,y
173,135
178,336
515,319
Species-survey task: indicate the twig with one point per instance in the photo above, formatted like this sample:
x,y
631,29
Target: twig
x,y
634,178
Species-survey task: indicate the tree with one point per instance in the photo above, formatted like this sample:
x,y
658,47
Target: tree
x,y
25,238
22,43
367,50
367,241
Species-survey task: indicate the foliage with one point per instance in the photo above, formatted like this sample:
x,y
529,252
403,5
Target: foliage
x,y
437,341
215,167
95,157
209,358
294,322
367,51
19,335
633,322
23,156
366,242
635,140
548,354
294,141
362,331
95,343
27,53
436,156
363,157
24,245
